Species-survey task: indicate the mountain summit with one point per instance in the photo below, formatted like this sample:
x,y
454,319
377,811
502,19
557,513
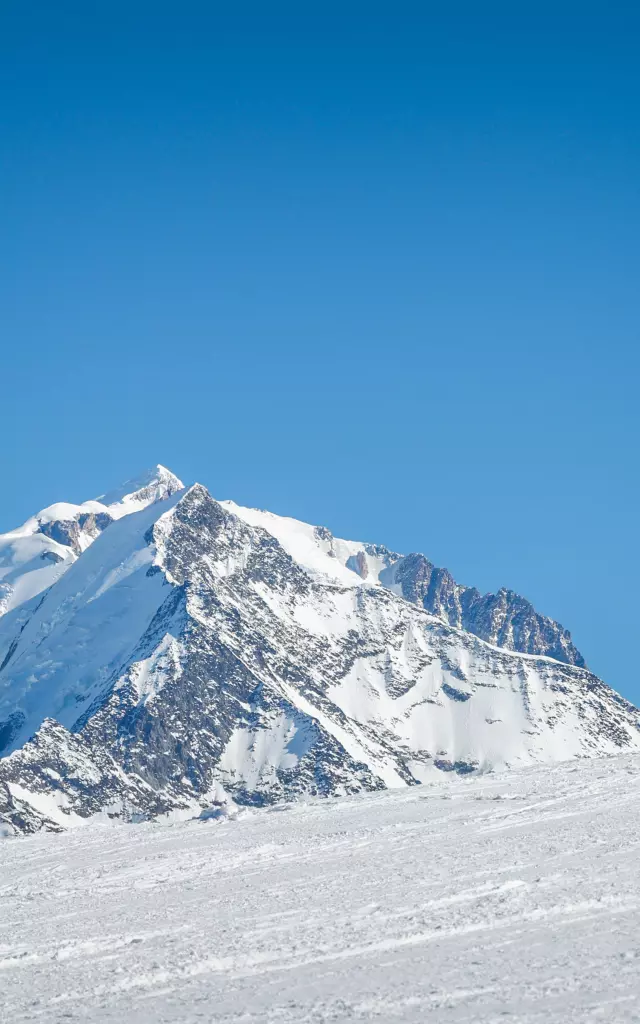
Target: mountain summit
x,y
35,555
181,652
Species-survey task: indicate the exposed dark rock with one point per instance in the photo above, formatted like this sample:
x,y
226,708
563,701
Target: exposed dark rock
x,y
504,619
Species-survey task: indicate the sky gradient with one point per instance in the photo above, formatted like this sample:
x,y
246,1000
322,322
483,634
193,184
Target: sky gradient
x,y
371,265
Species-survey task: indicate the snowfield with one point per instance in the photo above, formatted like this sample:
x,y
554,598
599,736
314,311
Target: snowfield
x,y
506,897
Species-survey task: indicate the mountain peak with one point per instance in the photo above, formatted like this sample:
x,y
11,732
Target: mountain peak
x,y
35,555
161,650
156,480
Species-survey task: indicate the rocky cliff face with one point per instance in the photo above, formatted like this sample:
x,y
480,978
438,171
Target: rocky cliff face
x,y
190,656
504,619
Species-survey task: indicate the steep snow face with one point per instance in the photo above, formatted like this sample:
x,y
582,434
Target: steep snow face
x,y
36,554
85,628
504,619
349,562
188,654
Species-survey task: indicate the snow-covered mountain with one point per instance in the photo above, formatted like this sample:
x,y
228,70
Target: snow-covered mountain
x,y
194,651
504,619
35,555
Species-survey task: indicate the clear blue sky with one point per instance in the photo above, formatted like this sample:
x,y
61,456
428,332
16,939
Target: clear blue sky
x,y
372,265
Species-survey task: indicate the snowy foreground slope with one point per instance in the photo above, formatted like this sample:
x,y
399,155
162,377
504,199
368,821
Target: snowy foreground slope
x,y
191,652
505,897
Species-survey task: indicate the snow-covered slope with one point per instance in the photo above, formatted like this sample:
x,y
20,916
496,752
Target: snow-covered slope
x,y
35,555
513,897
190,653
505,619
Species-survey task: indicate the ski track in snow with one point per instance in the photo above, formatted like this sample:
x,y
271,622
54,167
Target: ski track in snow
x,y
506,897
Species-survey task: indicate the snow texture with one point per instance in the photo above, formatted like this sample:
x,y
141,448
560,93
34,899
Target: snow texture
x,y
510,897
